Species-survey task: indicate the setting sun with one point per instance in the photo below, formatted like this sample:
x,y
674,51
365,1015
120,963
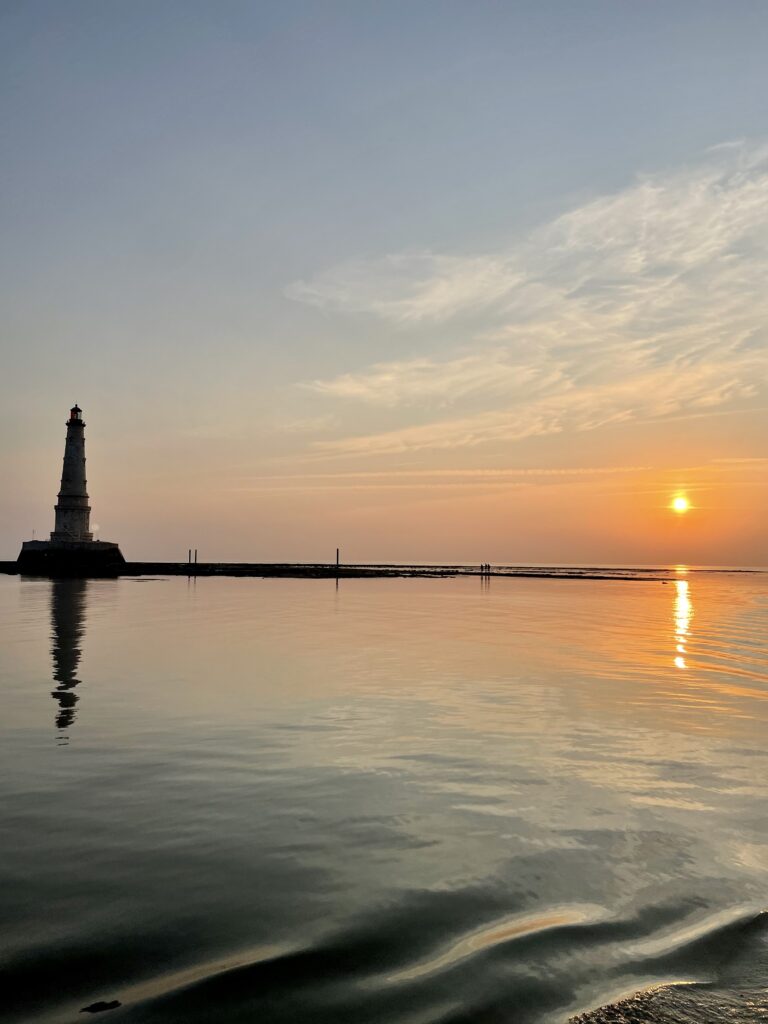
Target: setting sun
x,y
680,504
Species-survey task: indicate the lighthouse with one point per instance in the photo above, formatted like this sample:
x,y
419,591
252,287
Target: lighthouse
x,y
72,510
71,551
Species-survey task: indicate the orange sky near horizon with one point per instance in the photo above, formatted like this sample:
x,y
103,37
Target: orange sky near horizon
x,y
571,515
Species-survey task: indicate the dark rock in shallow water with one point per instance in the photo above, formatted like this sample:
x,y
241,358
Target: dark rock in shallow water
x,y
70,558
100,1007
734,954
684,1004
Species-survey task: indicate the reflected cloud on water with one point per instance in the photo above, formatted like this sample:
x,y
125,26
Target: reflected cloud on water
x,y
68,606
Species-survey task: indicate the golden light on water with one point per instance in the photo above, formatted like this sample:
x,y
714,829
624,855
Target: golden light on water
x,y
683,615
680,504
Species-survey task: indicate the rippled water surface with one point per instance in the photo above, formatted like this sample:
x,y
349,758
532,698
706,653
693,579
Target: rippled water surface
x,y
398,800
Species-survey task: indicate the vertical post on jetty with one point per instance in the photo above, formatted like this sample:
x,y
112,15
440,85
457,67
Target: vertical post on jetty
x,y
337,558
195,556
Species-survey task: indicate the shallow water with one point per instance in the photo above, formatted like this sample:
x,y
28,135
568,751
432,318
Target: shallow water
x,y
402,800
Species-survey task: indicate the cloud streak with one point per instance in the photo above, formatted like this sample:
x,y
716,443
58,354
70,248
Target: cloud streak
x,y
644,304
420,479
410,287
491,371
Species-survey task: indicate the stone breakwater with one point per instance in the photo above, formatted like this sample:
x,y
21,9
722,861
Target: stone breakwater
x,y
310,570
301,571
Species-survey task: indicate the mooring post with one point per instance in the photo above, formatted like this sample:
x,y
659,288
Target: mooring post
x,y
195,556
337,558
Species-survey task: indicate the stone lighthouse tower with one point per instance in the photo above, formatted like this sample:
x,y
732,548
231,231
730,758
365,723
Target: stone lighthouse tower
x,y
73,512
71,551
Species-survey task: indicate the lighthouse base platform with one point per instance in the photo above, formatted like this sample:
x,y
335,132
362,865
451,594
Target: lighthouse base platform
x,y
70,558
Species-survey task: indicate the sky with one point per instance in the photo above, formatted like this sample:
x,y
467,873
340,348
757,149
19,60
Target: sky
x,y
433,281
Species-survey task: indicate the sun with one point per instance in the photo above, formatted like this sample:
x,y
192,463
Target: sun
x,y
680,504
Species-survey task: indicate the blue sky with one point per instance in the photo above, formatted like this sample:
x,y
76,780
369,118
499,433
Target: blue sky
x,y
281,252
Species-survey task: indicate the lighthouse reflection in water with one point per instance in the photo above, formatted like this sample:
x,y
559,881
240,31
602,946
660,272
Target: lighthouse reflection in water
x,y
68,604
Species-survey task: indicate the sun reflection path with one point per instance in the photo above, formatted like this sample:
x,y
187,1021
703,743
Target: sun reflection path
x,y
683,616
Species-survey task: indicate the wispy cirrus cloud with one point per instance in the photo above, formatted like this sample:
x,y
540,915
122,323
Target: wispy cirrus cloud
x,y
644,304
491,371
655,394
410,286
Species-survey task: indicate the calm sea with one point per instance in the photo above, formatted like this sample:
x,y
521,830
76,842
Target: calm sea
x,y
416,801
